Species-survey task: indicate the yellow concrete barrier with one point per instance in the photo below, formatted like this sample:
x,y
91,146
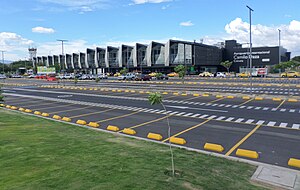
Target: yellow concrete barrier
x,y
56,117
66,119
133,91
126,90
93,124
112,128
177,140
28,111
205,95
258,98
292,100
13,108
219,96
294,162
45,114
154,136
175,93
196,95
246,98
21,109
165,93
184,94
8,106
276,99
230,97
247,153
119,90
129,131
2,105
37,113
113,90
81,122
213,147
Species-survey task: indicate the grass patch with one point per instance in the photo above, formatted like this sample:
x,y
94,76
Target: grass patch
x,y
37,153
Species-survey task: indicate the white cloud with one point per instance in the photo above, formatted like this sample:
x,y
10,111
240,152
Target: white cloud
x,y
262,35
43,30
137,2
187,23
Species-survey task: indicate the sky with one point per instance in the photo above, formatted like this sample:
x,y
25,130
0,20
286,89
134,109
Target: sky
x,y
98,23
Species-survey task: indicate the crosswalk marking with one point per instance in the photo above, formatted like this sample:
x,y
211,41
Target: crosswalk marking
x,y
257,108
249,121
212,117
271,123
239,120
296,126
229,119
196,115
283,124
265,108
203,116
260,122
188,114
282,110
242,106
292,110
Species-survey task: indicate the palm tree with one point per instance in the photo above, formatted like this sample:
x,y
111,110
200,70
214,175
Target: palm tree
x,y
156,98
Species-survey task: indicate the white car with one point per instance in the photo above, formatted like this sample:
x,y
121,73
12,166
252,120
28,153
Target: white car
x,y
220,74
2,76
128,76
102,76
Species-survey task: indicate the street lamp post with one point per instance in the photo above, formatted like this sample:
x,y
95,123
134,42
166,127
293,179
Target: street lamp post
x,y
250,36
62,50
3,59
279,56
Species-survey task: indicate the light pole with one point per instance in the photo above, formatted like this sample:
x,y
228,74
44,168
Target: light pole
x,y
62,50
250,11
3,59
279,57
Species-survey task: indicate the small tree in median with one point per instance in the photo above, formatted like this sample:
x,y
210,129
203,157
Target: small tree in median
x,y
123,71
75,81
181,71
97,80
227,65
156,98
1,96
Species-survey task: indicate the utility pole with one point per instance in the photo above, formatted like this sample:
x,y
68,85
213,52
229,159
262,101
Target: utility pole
x,y
250,11
62,51
3,59
279,56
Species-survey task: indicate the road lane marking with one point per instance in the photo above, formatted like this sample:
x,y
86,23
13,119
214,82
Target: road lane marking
x,y
280,104
229,119
88,114
117,117
283,124
242,140
70,110
245,102
260,122
296,126
219,99
184,131
271,123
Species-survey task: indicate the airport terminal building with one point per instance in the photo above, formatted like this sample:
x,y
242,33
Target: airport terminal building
x,y
160,57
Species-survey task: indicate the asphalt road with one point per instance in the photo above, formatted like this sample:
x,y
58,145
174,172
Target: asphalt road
x,y
272,128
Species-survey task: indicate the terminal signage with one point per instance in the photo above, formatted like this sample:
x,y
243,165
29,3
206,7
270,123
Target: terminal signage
x,y
239,57
46,70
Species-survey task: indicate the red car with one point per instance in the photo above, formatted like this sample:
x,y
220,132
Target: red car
x,y
40,77
51,78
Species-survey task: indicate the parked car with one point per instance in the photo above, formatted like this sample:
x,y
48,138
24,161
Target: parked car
x,y
143,77
84,77
31,76
102,76
244,74
91,77
173,74
2,76
117,74
162,77
16,76
40,77
51,78
220,74
128,76
206,74
153,74
290,74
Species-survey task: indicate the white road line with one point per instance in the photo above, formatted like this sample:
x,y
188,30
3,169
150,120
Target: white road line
x,y
239,120
283,124
235,106
273,109
196,115
220,118
260,122
282,110
271,123
249,107
257,108
211,117
203,116
229,119
296,126
292,110
242,106
265,108
249,121
181,113
188,114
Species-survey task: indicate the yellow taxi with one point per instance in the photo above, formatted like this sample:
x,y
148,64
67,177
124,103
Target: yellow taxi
x,y
294,74
206,74
153,74
173,74
117,74
244,74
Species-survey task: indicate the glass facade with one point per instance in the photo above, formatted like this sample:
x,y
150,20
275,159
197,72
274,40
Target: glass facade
x,y
101,57
158,54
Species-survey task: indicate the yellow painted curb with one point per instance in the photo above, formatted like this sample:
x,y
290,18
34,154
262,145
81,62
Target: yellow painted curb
x,y
129,131
37,113
28,111
112,128
258,98
246,98
45,114
13,108
247,153
21,109
213,147
294,162
276,99
292,100
177,140
81,122
196,95
154,136
219,96
56,117
66,119
230,97
93,124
